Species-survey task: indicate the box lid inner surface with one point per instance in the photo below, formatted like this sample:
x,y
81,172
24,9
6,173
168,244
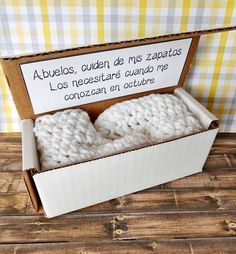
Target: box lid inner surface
x,y
95,77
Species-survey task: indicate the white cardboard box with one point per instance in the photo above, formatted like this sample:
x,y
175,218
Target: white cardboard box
x,y
66,189
69,188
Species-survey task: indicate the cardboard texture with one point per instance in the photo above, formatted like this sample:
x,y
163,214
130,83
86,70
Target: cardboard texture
x,y
203,115
21,96
103,179
30,155
61,81
69,188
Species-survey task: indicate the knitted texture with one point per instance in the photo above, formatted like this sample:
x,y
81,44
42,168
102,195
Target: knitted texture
x,y
160,117
69,137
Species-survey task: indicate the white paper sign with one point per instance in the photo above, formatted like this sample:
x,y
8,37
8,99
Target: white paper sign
x,y
76,80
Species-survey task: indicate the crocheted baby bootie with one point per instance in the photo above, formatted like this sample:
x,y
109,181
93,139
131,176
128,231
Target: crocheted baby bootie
x,y
158,116
65,138
69,137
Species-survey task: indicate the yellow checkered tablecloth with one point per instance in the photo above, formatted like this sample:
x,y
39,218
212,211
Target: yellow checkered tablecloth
x,y
38,25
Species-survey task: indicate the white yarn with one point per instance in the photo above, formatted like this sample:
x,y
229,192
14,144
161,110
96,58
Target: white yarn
x,y
159,116
69,137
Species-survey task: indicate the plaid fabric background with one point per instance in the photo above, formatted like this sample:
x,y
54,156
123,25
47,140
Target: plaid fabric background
x,y
33,26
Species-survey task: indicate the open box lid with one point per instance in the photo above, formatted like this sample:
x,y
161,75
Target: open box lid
x,y
95,77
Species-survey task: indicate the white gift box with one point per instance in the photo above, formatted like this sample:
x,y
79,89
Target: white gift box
x,y
48,82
